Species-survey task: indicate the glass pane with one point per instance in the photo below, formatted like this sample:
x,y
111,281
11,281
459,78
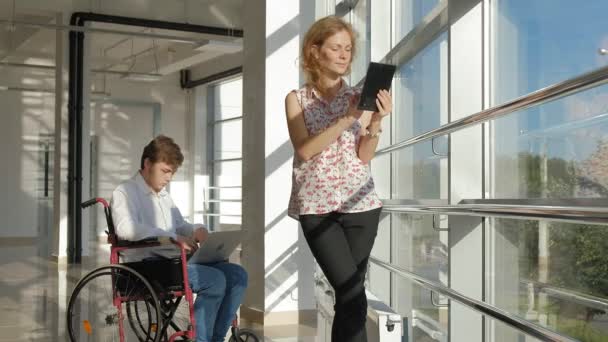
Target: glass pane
x,y
360,22
553,274
542,42
420,94
501,332
427,322
230,192
27,99
420,248
228,139
554,150
419,173
409,13
227,174
228,99
378,278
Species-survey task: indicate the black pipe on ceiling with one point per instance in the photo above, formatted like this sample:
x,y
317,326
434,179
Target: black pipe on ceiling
x,y
75,105
186,83
158,24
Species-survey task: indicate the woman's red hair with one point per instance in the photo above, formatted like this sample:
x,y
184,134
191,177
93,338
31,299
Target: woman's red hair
x,y
316,36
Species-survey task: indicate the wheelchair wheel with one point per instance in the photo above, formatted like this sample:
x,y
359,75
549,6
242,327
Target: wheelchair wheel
x,y
139,313
176,315
103,300
244,335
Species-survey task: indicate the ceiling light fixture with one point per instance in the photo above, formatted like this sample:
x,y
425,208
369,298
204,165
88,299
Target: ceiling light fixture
x,y
139,77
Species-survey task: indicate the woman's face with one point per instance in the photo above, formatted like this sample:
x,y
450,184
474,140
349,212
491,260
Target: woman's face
x,y
335,54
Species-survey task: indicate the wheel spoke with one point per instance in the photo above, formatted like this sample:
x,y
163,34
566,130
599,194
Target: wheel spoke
x,y
92,302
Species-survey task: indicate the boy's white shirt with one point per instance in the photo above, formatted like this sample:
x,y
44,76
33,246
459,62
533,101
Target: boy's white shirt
x,y
139,212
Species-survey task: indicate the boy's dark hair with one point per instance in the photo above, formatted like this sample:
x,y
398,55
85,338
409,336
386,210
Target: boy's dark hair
x,y
163,149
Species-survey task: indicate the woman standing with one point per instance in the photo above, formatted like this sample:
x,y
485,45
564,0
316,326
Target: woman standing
x,y
333,193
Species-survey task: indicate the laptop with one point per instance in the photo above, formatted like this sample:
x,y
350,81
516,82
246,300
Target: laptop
x,y
217,247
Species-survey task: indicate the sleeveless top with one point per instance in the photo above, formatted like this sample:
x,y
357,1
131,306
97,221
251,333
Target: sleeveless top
x,y
335,179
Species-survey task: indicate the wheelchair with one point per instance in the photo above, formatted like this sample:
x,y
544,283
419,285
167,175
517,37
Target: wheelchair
x,y
136,301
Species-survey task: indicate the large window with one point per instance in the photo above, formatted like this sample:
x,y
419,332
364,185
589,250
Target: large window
x,y
420,176
548,272
225,128
553,154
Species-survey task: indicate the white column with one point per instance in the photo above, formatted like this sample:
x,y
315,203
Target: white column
x,y
60,155
380,279
466,233
502,251
60,182
274,251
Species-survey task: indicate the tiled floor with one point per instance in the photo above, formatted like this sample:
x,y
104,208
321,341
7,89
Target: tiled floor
x,y
34,292
290,333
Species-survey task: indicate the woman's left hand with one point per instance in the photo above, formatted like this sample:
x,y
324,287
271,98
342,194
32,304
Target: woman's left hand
x,y
384,101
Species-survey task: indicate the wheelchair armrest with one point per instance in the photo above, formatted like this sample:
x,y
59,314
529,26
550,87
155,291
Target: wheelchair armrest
x,y
154,241
147,242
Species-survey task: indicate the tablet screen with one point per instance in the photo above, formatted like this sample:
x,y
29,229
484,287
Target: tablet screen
x,y
379,76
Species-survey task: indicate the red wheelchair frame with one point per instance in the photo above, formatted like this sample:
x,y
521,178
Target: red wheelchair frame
x,y
118,246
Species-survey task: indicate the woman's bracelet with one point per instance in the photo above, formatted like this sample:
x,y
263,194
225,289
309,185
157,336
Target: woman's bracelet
x,y
375,135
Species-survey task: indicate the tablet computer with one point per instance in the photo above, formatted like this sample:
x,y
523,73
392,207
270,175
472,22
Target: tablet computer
x,y
379,76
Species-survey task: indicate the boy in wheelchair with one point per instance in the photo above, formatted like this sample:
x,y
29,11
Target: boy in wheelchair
x,y
142,208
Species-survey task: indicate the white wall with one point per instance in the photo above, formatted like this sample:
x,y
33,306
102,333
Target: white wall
x,y
275,253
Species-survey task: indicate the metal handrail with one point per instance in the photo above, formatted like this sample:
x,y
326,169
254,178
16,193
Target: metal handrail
x,y
224,187
568,127
204,213
225,160
234,118
539,97
572,214
505,317
224,200
221,215
566,294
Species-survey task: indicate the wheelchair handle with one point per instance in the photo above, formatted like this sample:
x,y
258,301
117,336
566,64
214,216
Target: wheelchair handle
x,y
92,201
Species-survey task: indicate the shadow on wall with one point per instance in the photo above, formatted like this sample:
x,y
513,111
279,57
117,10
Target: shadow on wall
x,y
120,134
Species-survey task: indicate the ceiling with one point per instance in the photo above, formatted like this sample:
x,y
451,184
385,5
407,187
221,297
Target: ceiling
x,y
119,53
